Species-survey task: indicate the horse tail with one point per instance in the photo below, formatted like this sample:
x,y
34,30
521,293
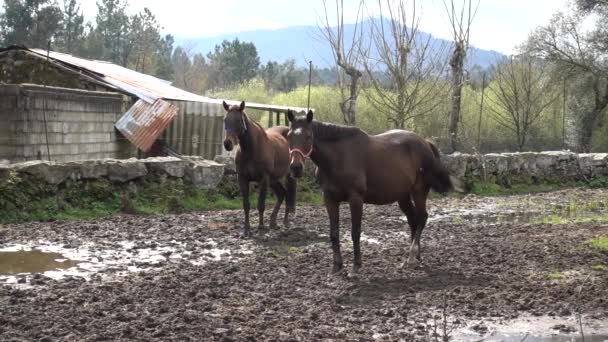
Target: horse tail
x,y
439,176
290,196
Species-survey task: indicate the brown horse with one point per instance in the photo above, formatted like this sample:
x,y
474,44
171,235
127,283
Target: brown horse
x,y
262,156
396,166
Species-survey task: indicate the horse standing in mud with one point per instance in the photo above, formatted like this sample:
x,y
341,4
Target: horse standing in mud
x,y
262,156
354,167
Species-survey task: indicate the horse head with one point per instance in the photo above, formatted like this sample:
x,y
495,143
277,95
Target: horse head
x,y
235,124
300,138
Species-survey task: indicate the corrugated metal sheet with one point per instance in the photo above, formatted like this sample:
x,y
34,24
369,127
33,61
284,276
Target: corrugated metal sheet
x,y
145,122
197,129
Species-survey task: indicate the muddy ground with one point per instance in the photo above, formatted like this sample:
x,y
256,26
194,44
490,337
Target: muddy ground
x,y
479,268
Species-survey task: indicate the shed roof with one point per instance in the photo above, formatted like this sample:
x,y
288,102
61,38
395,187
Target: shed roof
x,y
145,87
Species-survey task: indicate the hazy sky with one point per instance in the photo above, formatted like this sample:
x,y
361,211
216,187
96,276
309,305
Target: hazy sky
x,y
499,25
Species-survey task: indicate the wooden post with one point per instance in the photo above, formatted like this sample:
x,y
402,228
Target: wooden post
x,y
286,119
278,118
269,118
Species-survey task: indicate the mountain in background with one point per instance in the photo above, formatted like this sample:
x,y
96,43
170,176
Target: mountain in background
x,y
304,43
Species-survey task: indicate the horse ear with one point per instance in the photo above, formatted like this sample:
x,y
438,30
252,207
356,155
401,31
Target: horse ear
x,y
242,107
309,116
290,115
226,106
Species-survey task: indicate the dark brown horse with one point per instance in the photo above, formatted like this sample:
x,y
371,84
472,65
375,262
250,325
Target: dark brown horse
x,y
262,156
396,166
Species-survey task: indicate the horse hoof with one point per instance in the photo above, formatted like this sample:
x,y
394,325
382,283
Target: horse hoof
x,y
411,263
336,270
354,273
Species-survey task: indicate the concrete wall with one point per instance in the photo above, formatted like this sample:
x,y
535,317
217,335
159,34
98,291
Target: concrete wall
x,y
80,124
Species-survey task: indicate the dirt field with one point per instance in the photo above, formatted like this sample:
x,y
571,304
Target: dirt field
x,y
486,262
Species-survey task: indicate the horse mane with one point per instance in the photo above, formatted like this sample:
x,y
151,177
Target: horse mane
x,y
331,132
254,123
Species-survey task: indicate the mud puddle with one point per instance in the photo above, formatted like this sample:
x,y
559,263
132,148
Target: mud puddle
x,y
536,329
20,263
33,261
497,213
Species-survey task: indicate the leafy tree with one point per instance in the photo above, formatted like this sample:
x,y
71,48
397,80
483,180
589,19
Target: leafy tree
x,y
112,28
145,39
71,36
233,62
191,70
30,22
164,67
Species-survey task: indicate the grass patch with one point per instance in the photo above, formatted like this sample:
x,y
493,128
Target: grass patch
x,y
600,243
576,217
23,199
555,276
493,189
599,268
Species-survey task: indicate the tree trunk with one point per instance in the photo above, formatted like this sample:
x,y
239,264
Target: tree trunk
x,y
456,64
349,107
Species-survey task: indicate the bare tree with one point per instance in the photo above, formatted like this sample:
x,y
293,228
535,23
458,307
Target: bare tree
x,y
521,91
460,22
346,57
583,55
404,66
190,68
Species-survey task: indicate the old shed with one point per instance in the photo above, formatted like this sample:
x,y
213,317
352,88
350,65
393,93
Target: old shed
x,y
60,107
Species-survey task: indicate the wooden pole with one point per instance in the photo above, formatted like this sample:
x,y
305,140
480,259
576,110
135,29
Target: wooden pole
x,y
483,89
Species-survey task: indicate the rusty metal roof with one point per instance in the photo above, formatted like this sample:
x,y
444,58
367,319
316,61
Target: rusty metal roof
x,y
145,87
145,122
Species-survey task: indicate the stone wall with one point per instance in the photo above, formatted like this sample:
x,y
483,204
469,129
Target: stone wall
x,y
507,168
79,124
195,171
527,167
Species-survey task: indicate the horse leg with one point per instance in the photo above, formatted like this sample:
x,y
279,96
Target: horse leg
x,y
290,195
262,200
333,211
244,188
356,212
279,192
407,207
421,218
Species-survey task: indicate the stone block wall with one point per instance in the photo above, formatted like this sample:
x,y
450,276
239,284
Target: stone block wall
x,y
195,171
527,167
79,124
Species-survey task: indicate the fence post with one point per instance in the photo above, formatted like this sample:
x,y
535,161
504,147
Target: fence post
x,y
269,118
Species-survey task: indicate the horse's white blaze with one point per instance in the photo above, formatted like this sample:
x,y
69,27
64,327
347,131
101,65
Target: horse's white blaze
x,y
297,131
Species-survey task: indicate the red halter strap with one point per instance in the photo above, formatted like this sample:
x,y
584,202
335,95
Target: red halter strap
x,y
297,150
